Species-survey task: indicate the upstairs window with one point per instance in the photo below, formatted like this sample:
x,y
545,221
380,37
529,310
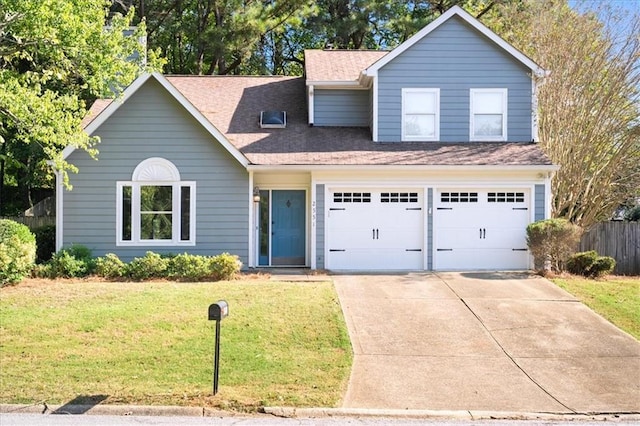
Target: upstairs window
x,y
155,207
488,114
420,114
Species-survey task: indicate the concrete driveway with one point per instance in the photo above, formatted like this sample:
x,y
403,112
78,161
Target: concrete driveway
x,y
483,341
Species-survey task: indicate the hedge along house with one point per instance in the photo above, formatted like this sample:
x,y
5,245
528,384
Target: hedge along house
x,y
421,158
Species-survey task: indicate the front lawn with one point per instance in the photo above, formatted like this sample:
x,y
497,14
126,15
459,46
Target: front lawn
x,y
615,298
151,343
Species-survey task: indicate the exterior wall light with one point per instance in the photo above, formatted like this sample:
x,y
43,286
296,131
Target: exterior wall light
x,y
256,194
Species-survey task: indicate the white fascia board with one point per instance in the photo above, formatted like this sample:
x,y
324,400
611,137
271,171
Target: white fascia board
x,y
336,167
133,88
456,11
335,84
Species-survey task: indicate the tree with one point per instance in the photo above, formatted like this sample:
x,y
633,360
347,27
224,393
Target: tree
x,y
55,58
589,104
214,36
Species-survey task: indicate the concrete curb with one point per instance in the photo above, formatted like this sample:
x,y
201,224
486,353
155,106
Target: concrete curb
x,y
116,410
292,412
309,413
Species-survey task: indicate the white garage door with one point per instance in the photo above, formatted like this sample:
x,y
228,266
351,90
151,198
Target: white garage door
x,y
481,229
375,229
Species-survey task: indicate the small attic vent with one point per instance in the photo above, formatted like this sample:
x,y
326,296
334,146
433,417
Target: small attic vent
x,y
273,119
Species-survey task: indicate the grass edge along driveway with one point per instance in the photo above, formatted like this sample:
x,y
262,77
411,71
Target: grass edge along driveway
x,y
150,343
616,298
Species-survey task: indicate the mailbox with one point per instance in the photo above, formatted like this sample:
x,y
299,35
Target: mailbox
x,y
218,310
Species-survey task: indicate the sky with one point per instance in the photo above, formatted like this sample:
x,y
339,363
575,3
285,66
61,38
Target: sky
x,y
628,7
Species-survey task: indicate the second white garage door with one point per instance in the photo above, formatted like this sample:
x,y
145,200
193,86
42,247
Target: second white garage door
x,y
375,229
481,229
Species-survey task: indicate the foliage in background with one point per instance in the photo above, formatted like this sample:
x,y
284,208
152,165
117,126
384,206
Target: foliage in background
x,y
553,241
17,251
45,242
589,104
55,58
267,37
589,264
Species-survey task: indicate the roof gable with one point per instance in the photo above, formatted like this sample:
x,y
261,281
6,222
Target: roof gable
x,y
455,11
106,110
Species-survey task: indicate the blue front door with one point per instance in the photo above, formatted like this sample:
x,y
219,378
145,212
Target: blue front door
x,y
288,227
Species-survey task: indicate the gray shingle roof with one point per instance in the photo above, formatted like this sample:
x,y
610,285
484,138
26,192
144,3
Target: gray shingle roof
x,y
233,104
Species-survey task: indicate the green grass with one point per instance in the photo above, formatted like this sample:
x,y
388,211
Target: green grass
x,y
151,343
615,298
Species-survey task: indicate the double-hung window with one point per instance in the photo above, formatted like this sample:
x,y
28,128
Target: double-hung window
x,y
488,114
420,114
155,207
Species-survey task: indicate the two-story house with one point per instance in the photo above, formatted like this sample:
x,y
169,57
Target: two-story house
x,y
420,158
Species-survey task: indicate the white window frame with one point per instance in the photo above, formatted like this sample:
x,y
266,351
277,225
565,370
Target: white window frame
x,y
156,172
472,111
436,115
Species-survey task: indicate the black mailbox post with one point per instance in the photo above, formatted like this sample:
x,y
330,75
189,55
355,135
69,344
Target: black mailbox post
x,y
217,312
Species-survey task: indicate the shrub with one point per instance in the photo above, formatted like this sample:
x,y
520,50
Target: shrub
x,y
225,266
189,267
72,262
633,214
603,265
45,242
17,251
590,264
152,265
552,240
110,266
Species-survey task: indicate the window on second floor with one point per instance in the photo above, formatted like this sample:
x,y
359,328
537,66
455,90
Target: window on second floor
x,y
488,114
420,114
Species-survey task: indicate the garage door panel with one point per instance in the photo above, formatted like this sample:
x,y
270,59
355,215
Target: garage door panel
x,y
488,259
384,233
369,260
481,229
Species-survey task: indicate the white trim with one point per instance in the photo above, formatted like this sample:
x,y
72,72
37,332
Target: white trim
x,y
374,112
534,111
455,11
59,210
252,225
314,219
133,88
505,107
310,104
156,171
341,84
406,167
436,114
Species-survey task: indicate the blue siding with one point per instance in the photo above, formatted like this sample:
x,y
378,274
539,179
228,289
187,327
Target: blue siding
x,y
153,124
539,203
454,58
341,108
319,226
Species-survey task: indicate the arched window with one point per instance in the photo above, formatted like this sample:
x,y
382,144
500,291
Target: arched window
x,y
156,207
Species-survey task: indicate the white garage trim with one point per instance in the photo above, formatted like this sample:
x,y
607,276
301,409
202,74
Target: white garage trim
x,y
374,228
482,228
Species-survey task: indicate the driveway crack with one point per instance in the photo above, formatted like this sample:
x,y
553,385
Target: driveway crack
x,y
504,350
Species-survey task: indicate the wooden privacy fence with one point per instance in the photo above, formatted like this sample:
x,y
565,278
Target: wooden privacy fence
x,y
620,240
33,221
